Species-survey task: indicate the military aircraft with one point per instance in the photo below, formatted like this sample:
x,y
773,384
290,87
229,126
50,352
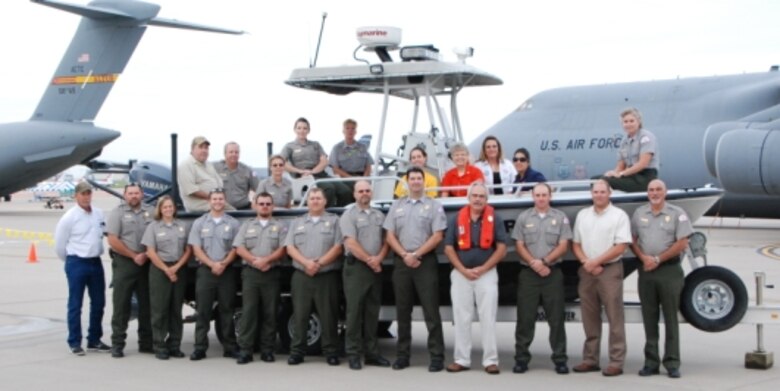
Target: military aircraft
x,y
719,130
60,132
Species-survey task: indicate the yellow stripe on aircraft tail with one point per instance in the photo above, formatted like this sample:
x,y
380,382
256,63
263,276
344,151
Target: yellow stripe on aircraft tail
x,y
85,79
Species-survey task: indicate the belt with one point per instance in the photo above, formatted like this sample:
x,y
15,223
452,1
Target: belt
x,y
355,173
671,261
649,171
94,259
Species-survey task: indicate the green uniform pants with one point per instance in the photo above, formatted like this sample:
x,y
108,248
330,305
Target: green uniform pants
x,y
128,278
260,295
534,290
166,300
208,288
363,292
425,281
632,183
661,287
321,292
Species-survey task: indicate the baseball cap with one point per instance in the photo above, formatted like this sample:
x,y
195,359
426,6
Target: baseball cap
x,y
199,140
83,187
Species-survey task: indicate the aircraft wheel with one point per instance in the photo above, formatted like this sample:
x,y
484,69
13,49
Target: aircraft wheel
x,y
713,299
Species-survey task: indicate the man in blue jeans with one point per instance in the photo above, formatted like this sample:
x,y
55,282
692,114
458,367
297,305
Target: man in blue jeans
x,y
79,242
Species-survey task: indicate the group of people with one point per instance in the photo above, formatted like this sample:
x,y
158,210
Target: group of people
x,y
348,159
150,250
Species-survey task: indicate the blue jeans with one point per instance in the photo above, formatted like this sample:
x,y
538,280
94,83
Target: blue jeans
x,y
85,273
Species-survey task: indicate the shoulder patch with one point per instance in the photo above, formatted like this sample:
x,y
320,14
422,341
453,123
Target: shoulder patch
x,y
644,140
683,217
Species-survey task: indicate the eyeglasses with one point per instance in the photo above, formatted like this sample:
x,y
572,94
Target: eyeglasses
x,y
520,159
278,165
264,203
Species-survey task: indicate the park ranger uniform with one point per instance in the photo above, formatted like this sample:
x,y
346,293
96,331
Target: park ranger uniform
x,y
413,222
631,148
540,235
306,156
281,193
215,237
167,298
663,285
260,290
362,286
237,183
313,239
127,277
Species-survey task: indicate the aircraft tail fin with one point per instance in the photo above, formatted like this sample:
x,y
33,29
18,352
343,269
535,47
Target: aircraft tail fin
x,y
103,44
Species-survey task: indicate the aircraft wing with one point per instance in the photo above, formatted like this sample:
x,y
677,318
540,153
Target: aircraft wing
x,y
163,22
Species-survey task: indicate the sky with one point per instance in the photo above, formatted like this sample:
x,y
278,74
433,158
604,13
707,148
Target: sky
x,y
231,88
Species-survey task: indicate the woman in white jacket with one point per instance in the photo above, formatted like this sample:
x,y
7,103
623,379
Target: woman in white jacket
x,y
495,169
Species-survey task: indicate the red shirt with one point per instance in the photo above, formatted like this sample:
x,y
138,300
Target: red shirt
x,y
451,178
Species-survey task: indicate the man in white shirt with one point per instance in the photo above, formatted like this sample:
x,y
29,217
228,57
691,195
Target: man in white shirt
x,y
79,242
602,233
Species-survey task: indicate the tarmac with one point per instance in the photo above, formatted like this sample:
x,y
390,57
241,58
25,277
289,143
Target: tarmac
x,y
34,354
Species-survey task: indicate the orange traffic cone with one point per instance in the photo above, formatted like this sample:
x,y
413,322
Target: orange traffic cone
x,y
32,256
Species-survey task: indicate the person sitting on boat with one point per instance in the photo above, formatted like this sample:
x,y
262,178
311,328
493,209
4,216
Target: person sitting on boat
x,y
350,158
307,158
418,157
638,159
279,187
525,174
495,168
462,175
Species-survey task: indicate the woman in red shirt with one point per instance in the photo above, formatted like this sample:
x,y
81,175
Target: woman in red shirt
x,y
462,175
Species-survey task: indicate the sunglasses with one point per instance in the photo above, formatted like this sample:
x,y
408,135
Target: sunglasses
x,y
520,159
263,204
278,165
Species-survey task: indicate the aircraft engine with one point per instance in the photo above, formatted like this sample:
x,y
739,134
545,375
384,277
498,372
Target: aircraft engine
x,y
743,156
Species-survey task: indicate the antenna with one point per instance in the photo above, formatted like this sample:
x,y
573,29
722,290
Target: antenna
x,y
319,41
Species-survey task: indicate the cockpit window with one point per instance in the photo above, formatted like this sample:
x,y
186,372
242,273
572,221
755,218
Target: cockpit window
x,y
527,105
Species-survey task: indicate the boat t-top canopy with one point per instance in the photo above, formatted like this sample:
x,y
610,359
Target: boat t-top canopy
x,y
421,75
401,79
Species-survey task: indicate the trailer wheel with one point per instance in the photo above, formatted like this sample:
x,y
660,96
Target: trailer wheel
x,y
286,326
713,299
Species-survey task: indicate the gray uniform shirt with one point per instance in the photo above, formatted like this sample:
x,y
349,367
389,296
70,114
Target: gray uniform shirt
x,y
129,225
313,240
350,158
215,238
237,183
476,255
365,226
168,240
633,147
261,241
304,156
540,235
656,233
281,193
413,222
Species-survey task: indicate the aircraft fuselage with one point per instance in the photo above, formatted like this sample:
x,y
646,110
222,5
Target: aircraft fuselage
x,y
37,150
575,132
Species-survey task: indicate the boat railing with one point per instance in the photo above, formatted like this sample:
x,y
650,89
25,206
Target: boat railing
x,y
383,186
